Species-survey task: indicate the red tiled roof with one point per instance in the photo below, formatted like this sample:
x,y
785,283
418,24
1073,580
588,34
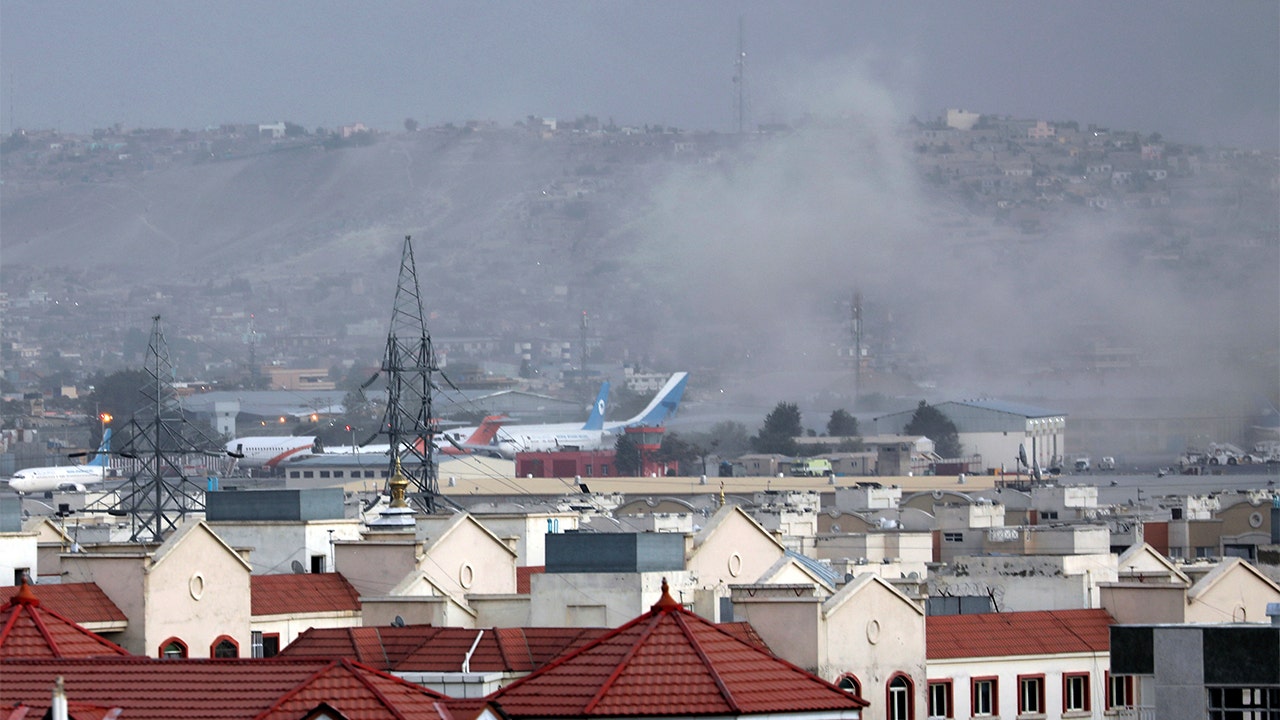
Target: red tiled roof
x,y
81,603
523,584
426,648
145,688
669,661
1042,632
29,631
302,593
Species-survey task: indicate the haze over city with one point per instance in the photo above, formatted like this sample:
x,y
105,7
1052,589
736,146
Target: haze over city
x,y
1197,72
699,253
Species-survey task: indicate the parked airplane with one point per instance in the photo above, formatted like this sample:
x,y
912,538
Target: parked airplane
x,y
65,477
476,440
267,451
573,434
593,436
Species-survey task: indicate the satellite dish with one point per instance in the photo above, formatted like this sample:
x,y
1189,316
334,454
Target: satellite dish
x,y
297,567
398,622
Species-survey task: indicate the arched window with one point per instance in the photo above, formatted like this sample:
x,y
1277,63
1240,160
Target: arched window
x,y
901,701
850,684
225,647
172,649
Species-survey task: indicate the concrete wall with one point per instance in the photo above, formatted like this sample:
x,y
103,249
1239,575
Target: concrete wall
x,y
600,599
276,544
468,559
962,671
197,592
373,568
1144,602
18,550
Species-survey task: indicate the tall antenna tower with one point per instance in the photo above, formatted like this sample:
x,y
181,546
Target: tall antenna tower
x,y
582,350
158,495
740,79
408,364
855,328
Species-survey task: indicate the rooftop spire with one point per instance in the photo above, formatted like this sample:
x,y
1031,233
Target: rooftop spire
x,y
666,602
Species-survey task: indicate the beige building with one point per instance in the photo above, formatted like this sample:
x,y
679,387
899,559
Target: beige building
x,y
188,597
868,637
1152,589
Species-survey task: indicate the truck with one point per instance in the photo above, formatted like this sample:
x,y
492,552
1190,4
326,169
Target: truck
x,y
812,467
1082,464
1107,463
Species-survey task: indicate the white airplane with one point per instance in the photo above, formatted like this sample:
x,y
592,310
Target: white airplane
x,y
65,477
267,451
475,440
595,434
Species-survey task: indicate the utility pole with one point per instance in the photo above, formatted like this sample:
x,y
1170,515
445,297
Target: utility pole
x,y
582,348
855,327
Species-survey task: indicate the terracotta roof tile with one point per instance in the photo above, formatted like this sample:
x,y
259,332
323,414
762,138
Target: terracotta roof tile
x,y
28,630
669,662
1046,632
81,603
426,648
523,583
217,689
302,593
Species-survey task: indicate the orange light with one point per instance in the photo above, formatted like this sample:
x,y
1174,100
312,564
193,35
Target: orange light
x,y
282,419
314,417
105,418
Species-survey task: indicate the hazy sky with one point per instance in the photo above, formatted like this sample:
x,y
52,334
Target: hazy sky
x,y
1205,72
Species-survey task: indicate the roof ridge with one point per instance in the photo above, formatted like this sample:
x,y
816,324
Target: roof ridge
x,y
729,699
655,617
295,690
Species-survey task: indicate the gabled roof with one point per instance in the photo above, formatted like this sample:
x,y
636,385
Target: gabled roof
x,y
1228,566
29,631
459,520
1009,408
721,518
858,585
427,648
219,689
1141,555
185,531
302,593
1041,632
81,603
669,661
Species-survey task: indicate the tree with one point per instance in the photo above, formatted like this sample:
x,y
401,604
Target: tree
x,y
842,424
626,458
410,125
781,427
933,424
676,449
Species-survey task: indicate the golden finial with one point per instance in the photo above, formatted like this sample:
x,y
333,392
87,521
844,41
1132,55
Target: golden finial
x,y
398,484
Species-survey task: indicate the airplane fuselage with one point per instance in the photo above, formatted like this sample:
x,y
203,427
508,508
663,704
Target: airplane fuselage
x,y
71,477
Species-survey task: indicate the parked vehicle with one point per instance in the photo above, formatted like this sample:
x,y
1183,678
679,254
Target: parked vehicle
x,y
1082,464
812,467
1107,463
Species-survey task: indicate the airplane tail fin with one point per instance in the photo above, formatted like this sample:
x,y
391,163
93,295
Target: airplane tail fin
x,y
100,458
664,404
487,431
595,421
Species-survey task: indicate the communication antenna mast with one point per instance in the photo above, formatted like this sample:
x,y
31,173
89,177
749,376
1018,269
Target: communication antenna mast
x,y
740,79
158,495
855,327
582,343
408,364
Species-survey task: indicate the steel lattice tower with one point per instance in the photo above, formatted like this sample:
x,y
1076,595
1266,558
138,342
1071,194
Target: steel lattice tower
x,y
158,495
408,365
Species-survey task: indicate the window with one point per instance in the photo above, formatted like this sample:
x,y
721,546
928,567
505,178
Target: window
x,y
270,644
1119,691
1030,694
255,643
1048,514
983,697
901,697
308,473
1075,692
953,537
1244,703
940,699
604,469
1205,552
339,473
21,575
324,473
850,684
317,563
225,647
173,648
